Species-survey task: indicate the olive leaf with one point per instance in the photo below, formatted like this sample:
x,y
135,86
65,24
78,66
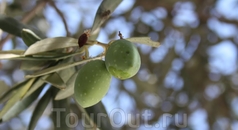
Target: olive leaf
x,y
144,40
21,105
50,44
8,94
35,86
17,96
60,67
104,11
11,54
59,119
13,26
29,37
101,117
69,90
39,109
4,87
34,65
55,80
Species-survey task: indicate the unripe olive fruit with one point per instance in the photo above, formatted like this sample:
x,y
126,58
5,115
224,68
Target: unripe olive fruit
x,y
122,59
92,83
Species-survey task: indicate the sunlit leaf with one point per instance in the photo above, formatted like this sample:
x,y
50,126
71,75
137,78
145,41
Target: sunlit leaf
x,y
11,54
17,96
36,85
60,67
21,105
69,90
39,109
4,97
144,40
104,11
50,44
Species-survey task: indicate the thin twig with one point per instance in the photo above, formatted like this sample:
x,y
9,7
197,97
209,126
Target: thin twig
x,y
52,3
38,7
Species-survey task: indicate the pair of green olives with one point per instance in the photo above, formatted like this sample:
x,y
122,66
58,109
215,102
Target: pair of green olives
x,y
122,61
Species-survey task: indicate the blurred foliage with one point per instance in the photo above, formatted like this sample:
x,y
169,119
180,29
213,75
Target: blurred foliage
x,y
182,76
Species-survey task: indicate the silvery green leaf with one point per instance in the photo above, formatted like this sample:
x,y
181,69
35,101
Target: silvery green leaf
x,y
50,44
144,40
60,67
29,37
11,54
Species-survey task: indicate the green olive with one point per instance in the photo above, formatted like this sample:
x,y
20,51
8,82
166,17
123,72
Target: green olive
x,y
122,59
92,83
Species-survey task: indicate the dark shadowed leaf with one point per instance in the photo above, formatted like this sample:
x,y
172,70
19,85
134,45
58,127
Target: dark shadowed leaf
x,y
4,88
100,117
39,109
60,112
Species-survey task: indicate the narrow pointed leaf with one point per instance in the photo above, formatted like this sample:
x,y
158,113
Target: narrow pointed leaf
x,y
14,27
34,65
11,91
4,87
36,85
63,107
50,44
21,106
69,90
39,109
60,67
144,40
104,11
29,37
101,117
11,54
11,25
55,80
16,97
